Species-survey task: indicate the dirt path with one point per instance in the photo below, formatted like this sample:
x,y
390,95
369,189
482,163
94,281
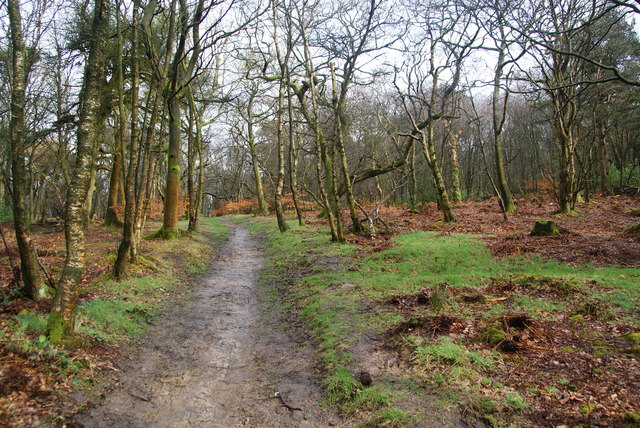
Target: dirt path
x,y
217,360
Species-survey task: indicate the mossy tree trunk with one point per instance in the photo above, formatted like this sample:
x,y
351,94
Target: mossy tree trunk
x,y
263,207
282,82
160,68
115,182
111,216
603,159
195,141
413,182
340,123
293,159
191,159
282,224
499,115
194,151
429,150
432,106
172,187
120,265
33,284
454,136
62,317
200,190
323,164
172,94
563,136
332,185
560,75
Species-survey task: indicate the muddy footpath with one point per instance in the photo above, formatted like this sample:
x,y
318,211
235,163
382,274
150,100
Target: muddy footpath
x,y
218,359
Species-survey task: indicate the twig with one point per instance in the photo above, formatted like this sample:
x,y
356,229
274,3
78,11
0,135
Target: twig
x,y
284,403
50,280
139,397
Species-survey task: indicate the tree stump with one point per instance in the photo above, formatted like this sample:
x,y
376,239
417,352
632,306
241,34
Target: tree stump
x,y
545,228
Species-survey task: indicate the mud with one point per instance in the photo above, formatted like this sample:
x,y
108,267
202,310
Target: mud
x,y
219,359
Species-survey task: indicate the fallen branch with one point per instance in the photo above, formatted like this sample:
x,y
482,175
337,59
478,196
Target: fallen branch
x,y
372,219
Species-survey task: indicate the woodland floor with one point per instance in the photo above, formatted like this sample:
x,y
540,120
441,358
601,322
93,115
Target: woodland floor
x,y
595,232
570,360
35,387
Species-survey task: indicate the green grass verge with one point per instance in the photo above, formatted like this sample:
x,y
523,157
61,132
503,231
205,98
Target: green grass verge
x,y
129,306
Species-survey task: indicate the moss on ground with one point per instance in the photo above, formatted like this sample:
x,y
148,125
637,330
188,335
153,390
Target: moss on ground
x,y
545,228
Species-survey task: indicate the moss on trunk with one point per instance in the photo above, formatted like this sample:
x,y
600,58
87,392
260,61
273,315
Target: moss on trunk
x,y
545,228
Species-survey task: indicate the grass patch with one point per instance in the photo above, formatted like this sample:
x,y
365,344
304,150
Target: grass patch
x,y
126,308
461,261
391,417
447,353
112,320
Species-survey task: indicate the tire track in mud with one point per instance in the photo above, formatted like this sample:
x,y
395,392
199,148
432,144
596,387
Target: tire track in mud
x,y
217,360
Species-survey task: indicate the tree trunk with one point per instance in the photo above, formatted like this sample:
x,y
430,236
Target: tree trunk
x,y
263,208
603,160
130,202
293,160
332,185
172,188
191,154
323,160
565,141
413,182
498,126
456,194
143,190
199,192
87,206
171,216
62,317
282,224
111,216
338,106
33,284
429,151
160,80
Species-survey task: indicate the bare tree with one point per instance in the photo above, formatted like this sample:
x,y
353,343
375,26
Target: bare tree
x,y
443,39
493,17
